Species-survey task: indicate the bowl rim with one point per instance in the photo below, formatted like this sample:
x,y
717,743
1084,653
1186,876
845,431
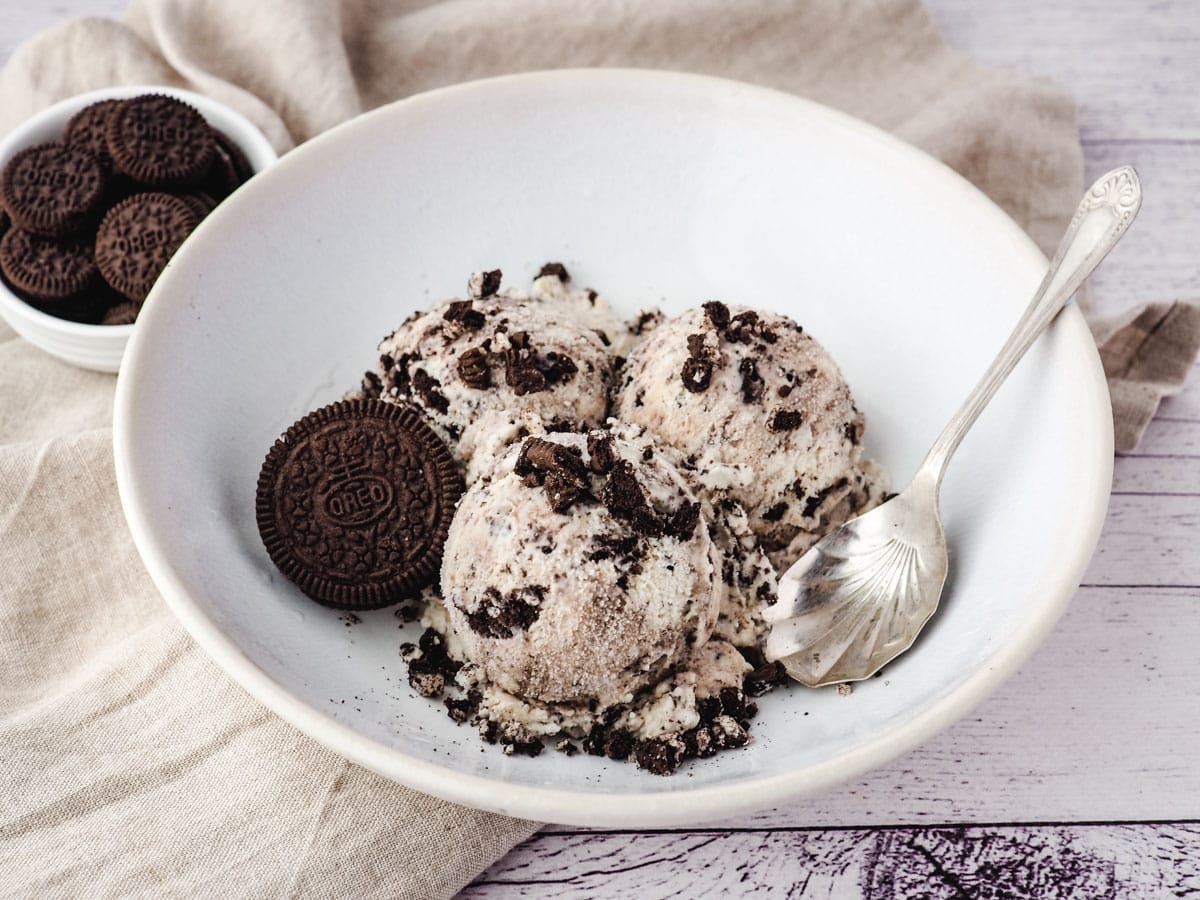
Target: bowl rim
x,y
650,808
248,136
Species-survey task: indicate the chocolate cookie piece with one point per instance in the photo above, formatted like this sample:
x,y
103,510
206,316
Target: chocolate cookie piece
x,y
229,167
138,237
87,307
241,165
159,140
222,179
354,502
201,203
559,271
52,189
123,313
88,129
45,269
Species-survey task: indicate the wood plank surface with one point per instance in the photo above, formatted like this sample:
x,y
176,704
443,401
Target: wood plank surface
x,y
1065,862
1102,724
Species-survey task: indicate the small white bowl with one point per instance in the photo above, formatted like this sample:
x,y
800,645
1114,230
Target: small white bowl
x,y
100,347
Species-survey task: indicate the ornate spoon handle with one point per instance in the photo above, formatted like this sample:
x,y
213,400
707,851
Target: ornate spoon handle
x,y
1103,216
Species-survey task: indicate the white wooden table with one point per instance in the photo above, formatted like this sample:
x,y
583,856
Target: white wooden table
x,y
1080,778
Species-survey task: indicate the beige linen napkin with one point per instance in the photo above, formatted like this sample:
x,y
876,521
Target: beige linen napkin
x,y
131,766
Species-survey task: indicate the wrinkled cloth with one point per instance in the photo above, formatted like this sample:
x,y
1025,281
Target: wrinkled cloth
x,y
131,765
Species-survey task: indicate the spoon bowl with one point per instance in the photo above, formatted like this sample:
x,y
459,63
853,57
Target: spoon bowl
x,y
862,594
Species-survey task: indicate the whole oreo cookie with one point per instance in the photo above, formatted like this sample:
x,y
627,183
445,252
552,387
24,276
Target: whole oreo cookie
x,y
52,189
88,129
354,503
159,140
138,237
45,269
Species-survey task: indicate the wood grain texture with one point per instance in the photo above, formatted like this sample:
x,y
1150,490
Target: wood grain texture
x,y
1131,66
1157,259
1049,863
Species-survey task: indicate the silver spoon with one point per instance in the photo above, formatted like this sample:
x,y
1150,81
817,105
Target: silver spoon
x,y
861,595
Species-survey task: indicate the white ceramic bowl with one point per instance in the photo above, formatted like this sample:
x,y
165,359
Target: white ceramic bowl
x,y
101,347
655,188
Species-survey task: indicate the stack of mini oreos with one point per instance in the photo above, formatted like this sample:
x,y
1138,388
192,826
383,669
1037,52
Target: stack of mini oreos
x,y
88,222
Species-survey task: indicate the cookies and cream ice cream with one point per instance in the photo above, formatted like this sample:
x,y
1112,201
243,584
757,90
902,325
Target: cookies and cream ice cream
x,y
760,412
579,570
605,572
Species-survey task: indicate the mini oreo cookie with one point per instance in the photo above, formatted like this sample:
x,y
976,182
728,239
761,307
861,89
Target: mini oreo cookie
x,y
159,140
124,312
354,502
86,307
137,239
241,165
45,269
88,129
52,189
229,167
201,204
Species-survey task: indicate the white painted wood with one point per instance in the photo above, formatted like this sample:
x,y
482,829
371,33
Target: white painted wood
x,y
1102,724
1049,863
1159,259
1158,474
1148,540
1131,65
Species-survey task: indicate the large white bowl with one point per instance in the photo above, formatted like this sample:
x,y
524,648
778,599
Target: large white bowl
x,y
100,347
656,188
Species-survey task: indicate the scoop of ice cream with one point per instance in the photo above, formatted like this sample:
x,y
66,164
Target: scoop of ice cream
x,y
579,570
482,367
761,413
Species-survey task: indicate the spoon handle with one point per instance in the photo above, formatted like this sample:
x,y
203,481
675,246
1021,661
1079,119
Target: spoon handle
x,y
1102,218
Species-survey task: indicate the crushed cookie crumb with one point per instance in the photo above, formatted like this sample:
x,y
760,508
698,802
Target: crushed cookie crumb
x,y
557,269
785,420
626,499
499,615
464,313
718,314
752,383
372,385
474,369
491,283
429,390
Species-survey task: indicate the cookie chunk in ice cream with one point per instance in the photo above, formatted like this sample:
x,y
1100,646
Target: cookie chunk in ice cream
x,y
761,412
579,571
482,366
